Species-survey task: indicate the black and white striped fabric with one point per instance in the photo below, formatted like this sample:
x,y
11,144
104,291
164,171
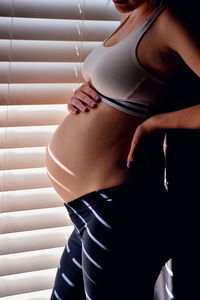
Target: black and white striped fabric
x,y
107,259
164,285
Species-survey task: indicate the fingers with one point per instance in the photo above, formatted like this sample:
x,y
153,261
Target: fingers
x,y
90,92
130,157
81,99
141,138
84,97
78,104
72,109
136,140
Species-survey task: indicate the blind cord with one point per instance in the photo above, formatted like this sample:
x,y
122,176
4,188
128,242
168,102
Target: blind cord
x,y
79,45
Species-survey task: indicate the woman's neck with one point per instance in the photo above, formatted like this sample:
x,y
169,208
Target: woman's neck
x,y
143,9
140,12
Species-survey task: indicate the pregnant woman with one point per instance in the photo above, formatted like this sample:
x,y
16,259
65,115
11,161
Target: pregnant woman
x,y
138,73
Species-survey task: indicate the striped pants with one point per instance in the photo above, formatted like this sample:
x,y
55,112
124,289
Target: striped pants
x,y
116,250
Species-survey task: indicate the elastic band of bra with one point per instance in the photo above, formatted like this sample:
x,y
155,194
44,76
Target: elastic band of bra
x,y
142,108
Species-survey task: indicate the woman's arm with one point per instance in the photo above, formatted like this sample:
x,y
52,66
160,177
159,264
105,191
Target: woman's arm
x,y
179,38
187,118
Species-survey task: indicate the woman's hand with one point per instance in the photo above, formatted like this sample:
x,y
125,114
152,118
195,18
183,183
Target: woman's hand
x,y
143,131
186,118
83,98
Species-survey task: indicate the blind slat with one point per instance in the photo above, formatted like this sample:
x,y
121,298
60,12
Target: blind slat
x,y
19,200
5,7
39,295
21,158
33,219
5,50
46,51
59,9
29,94
33,72
5,25
29,261
24,179
33,115
19,137
55,30
34,240
11,284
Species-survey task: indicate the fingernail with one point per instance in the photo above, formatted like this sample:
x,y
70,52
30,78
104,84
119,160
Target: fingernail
x,y
98,98
85,109
75,110
129,164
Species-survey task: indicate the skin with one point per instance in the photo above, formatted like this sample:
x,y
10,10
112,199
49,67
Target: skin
x,y
187,46
85,94
93,143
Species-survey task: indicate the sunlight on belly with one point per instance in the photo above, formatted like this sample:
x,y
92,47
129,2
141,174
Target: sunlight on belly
x,y
56,181
58,162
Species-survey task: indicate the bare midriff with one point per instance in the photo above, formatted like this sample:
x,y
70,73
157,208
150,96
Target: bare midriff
x,y
89,151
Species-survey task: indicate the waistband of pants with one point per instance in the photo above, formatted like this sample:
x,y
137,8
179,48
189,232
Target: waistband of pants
x,y
98,196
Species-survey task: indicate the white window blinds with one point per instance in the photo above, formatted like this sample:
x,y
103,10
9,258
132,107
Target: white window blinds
x,y
42,46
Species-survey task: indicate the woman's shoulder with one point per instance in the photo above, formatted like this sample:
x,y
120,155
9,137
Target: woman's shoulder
x,y
179,29
179,18
180,11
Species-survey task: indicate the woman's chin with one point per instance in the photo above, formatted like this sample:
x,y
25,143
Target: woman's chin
x,y
123,7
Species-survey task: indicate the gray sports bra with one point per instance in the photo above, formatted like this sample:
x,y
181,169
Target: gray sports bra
x,y
121,80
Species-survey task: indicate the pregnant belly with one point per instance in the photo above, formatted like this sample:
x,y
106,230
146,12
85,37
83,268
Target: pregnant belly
x,y
89,151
